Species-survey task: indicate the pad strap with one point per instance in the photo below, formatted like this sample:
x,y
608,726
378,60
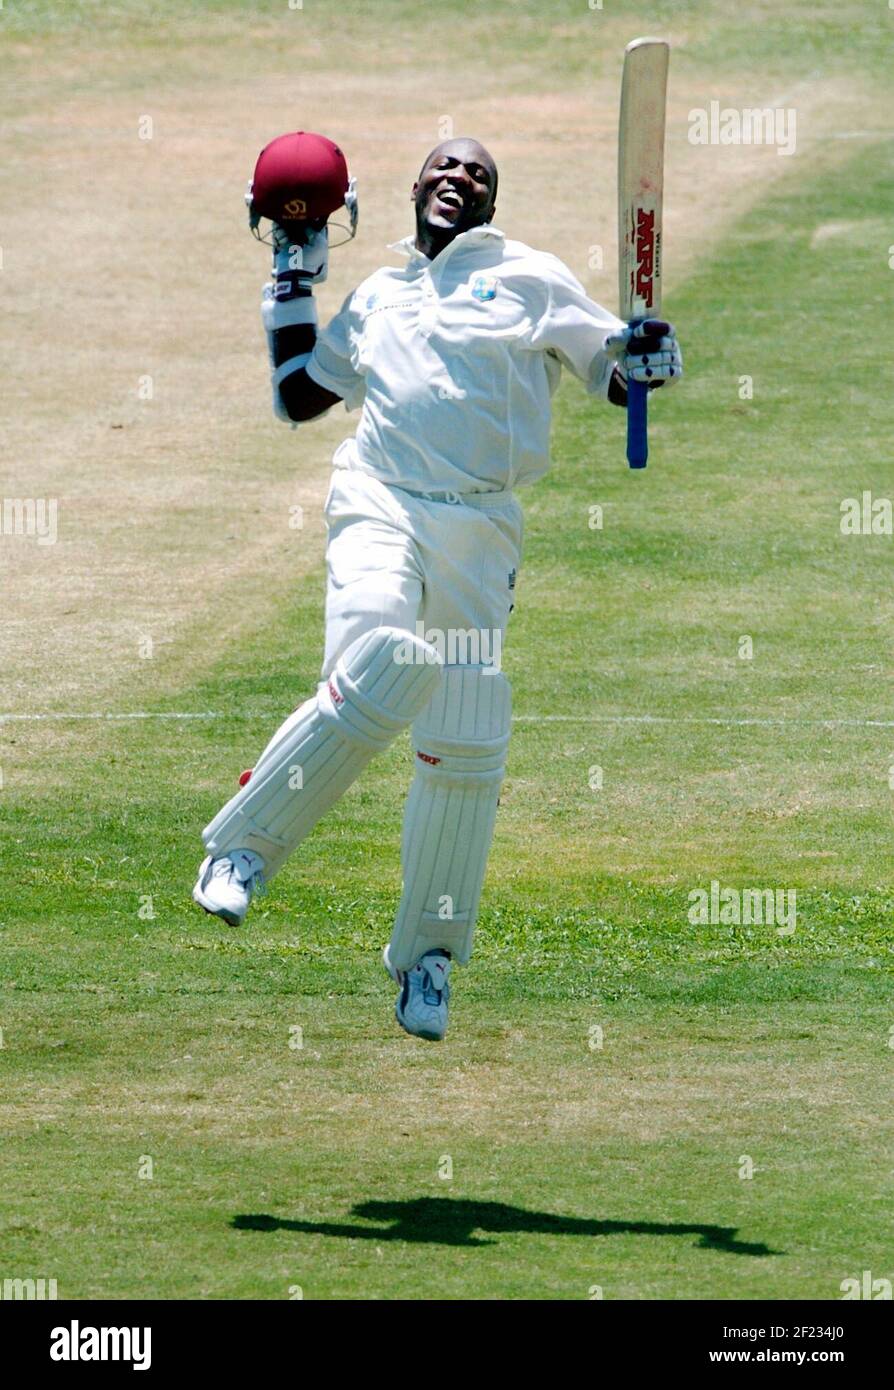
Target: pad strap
x,y
294,364
285,313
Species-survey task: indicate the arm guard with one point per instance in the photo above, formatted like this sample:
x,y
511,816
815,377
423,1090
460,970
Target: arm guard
x,y
288,311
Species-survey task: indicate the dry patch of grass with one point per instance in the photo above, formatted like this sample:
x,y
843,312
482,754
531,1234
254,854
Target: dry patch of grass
x,y
174,511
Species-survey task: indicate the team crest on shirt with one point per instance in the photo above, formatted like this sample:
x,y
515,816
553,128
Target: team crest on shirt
x,y
372,301
484,288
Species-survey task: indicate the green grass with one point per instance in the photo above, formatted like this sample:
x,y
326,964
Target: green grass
x,y
320,1166
133,1027
800,41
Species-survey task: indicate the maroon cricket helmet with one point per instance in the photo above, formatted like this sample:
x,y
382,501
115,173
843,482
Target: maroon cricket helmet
x,y
299,177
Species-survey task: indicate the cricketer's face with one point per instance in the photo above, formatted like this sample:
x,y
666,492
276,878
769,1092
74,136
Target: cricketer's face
x,y
456,190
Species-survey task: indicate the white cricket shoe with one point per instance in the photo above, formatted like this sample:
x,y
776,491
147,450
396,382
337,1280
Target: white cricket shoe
x,y
421,1007
226,885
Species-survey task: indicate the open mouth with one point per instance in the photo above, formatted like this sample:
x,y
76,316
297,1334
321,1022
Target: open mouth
x,y
449,198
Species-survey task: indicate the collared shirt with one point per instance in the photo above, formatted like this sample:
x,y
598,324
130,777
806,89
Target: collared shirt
x,y
453,362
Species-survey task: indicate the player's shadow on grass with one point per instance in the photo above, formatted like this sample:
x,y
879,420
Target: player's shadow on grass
x,y
451,1221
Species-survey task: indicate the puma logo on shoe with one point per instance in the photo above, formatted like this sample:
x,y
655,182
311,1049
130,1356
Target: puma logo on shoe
x,y
422,1005
226,885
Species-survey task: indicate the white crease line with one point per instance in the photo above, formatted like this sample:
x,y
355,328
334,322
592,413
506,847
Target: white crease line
x,y
516,719
693,719
136,714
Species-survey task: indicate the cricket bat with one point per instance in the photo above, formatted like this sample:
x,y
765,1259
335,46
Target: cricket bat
x,y
640,189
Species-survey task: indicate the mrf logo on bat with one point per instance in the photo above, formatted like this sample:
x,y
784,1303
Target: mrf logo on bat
x,y
647,240
648,251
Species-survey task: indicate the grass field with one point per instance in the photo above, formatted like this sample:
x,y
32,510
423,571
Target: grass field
x,y
611,1068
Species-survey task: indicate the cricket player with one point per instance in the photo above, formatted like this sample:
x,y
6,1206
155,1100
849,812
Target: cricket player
x,y
451,358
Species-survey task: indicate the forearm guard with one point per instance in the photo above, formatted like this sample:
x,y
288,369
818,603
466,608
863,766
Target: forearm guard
x,y
288,311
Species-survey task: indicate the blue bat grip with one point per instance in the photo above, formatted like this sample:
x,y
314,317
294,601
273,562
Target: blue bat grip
x,y
637,424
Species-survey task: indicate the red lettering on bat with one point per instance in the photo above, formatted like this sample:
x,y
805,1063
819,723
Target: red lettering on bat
x,y
645,254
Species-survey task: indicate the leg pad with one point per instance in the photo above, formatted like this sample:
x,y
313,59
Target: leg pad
x,y
379,685
461,740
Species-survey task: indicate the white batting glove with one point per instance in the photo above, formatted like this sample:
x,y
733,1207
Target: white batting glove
x,y
647,352
301,256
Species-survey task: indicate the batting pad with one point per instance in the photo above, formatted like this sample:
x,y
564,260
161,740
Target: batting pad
x,y
461,740
378,687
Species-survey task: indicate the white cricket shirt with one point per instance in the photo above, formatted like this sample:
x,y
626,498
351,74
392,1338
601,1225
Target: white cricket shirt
x,y
453,362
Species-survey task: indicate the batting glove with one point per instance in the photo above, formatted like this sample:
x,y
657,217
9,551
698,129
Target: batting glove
x,y
300,255
648,352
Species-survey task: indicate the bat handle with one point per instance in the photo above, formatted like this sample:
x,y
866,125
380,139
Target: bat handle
x,y
637,423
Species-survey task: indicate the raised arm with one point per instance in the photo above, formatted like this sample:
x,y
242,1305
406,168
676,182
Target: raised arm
x,y
299,180
300,257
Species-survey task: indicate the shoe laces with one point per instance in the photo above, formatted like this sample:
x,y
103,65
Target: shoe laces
x,y
432,993
224,867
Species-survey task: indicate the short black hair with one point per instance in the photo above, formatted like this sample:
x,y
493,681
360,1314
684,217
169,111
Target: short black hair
x,y
468,140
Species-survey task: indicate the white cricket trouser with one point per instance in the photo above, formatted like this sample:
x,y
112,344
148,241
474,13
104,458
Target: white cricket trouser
x,y
444,570
418,597
395,559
